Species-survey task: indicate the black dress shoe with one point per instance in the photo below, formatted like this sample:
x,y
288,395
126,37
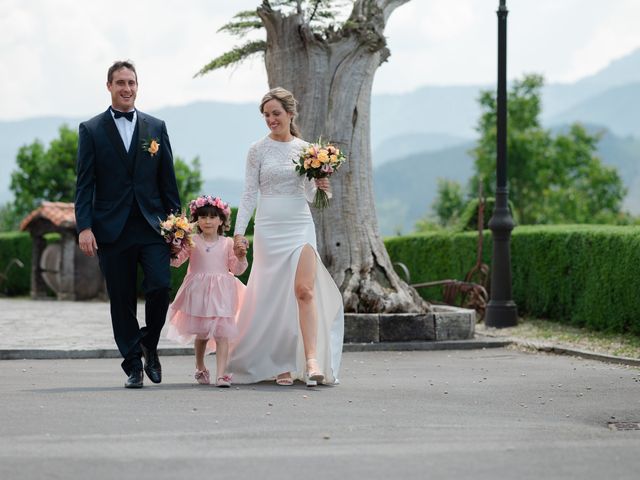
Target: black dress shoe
x,y
135,379
152,366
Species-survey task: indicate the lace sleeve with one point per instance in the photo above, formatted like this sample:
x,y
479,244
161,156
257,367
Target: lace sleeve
x,y
309,189
250,193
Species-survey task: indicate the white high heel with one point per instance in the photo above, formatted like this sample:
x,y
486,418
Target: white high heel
x,y
313,375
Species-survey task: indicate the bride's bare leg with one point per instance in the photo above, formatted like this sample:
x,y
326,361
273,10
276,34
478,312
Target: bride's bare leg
x,y
304,290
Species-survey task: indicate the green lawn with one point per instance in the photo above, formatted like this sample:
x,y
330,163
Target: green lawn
x,y
538,330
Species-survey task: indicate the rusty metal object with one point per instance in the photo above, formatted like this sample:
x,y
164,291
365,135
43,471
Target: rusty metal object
x,y
479,273
4,276
473,291
462,294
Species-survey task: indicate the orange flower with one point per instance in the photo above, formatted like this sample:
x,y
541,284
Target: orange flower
x,y
154,146
315,163
323,156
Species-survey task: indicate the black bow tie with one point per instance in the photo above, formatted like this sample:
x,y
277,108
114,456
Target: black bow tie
x,y
127,115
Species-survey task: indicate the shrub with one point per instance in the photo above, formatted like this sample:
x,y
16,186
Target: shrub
x,y
15,245
583,275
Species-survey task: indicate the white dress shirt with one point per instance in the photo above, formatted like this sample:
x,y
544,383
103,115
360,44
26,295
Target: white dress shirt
x,y
125,127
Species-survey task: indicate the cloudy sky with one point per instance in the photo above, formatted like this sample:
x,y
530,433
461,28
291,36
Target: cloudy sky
x,y
54,54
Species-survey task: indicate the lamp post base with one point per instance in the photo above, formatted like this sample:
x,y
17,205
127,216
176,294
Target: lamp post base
x,y
501,314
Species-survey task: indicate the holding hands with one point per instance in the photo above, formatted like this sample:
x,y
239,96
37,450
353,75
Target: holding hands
x,y
240,246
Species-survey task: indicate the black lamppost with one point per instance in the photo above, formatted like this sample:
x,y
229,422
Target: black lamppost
x,y
501,310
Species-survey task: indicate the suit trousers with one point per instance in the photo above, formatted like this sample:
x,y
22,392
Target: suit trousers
x,y
139,244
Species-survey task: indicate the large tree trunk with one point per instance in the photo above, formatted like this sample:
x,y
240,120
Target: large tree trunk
x,y
332,80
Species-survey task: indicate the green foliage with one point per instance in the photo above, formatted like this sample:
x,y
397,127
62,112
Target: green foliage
x,y
582,275
15,280
50,174
235,56
188,178
449,202
234,214
243,23
44,173
426,225
9,219
437,255
551,179
469,217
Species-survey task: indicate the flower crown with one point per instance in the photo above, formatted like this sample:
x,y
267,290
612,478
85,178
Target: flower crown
x,y
204,200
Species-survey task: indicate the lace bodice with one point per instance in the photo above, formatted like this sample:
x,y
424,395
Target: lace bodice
x,y
270,171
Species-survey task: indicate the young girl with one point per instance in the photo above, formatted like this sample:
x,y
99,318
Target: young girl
x,y
204,309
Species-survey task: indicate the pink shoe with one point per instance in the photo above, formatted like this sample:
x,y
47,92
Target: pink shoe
x,y
224,381
202,376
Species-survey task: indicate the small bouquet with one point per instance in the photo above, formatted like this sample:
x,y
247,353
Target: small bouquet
x,y
176,231
319,160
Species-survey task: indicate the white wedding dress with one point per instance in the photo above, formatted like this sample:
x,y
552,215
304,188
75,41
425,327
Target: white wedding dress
x,y
269,341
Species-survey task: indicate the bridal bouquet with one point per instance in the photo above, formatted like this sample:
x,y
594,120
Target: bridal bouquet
x,y
177,231
319,160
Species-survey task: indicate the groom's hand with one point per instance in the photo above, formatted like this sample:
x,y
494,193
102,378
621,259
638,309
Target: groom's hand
x,y
87,242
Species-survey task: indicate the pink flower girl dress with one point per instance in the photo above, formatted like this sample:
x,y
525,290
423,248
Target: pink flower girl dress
x,y
208,301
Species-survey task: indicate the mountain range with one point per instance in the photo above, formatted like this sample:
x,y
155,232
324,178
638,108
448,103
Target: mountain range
x,y
429,129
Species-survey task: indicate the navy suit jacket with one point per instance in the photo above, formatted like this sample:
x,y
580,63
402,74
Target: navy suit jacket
x,y
109,179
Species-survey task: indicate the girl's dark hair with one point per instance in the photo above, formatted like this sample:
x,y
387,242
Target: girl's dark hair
x,y
213,211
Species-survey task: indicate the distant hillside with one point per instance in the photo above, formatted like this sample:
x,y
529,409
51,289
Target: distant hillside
x,y
618,108
219,133
428,119
405,188
448,110
405,145
622,71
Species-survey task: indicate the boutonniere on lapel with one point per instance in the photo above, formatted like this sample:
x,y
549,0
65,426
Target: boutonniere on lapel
x,y
151,145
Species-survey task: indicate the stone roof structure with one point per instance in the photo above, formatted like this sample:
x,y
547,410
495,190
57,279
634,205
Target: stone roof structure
x,y
60,214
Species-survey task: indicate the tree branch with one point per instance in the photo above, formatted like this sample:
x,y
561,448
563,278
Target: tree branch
x,y
388,6
234,56
315,9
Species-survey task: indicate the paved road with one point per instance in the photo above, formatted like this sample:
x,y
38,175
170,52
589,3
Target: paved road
x,y
479,414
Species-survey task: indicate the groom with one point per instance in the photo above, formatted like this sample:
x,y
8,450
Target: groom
x,y
125,184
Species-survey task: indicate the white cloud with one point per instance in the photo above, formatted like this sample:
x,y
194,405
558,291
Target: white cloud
x,y
55,54
616,34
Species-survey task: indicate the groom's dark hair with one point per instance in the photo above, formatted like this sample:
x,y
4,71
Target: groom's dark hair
x,y
117,65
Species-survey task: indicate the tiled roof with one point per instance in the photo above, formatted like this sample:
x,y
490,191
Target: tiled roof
x,y
61,214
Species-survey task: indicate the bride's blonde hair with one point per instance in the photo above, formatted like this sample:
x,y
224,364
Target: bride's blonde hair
x,y
288,102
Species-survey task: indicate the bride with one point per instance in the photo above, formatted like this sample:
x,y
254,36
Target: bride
x,y
291,323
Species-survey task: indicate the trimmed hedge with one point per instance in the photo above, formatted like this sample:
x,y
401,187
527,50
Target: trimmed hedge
x,y
583,275
15,245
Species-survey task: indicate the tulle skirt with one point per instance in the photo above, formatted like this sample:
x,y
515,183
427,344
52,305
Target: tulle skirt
x,y
205,306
